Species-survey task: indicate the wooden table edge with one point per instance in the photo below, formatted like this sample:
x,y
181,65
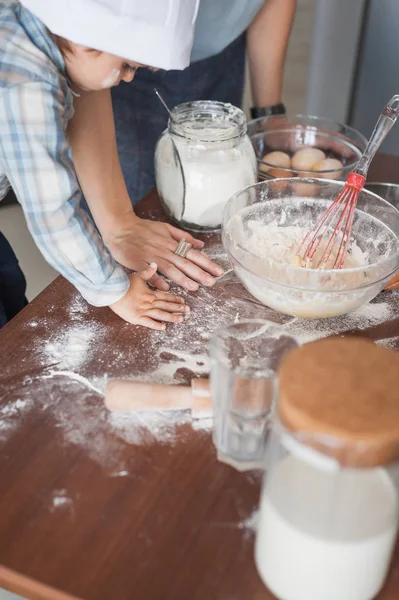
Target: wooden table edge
x,y
17,583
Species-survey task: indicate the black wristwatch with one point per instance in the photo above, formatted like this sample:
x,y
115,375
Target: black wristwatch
x,y
267,111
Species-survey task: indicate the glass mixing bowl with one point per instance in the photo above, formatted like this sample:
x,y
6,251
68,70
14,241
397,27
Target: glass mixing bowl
x,y
387,191
297,291
289,133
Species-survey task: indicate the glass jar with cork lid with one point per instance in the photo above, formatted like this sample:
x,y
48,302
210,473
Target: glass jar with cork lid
x,y
201,160
329,504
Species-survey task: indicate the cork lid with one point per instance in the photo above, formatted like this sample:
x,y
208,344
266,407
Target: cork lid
x,y
345,390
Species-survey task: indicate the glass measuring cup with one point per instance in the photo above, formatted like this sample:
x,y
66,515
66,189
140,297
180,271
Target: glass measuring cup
x,y
244,359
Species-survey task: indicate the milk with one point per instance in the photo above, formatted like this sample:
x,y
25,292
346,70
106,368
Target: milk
x,y
325,535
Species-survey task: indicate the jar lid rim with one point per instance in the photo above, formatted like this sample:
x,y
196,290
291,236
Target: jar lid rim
x,y
339,395
207,121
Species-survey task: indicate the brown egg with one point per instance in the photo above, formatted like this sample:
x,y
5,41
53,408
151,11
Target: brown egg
x,y
305,158
277,159
328,164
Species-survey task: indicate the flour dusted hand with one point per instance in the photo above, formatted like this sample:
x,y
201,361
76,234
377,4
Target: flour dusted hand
x,y
143,306
137,241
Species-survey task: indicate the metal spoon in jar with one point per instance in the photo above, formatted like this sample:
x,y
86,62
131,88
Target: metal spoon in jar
x,y
176,156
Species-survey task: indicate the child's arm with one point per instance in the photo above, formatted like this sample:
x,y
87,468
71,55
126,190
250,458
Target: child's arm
x,y
134,242
36,157
267,41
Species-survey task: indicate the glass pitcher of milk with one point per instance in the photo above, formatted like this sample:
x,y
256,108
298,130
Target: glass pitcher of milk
x,y
325,532
329,504
201,160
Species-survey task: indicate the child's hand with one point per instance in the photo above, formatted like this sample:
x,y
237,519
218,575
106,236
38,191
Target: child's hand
x,y
142,306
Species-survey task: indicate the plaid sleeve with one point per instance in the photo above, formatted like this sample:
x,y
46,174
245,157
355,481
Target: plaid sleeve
x,y
36,157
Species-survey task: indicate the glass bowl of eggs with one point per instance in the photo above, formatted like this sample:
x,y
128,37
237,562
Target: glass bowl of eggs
x,y
264,224
304,146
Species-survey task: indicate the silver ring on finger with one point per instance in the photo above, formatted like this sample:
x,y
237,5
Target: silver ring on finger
x,y
183,248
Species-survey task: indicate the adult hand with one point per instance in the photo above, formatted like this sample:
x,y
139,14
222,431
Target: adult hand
x,y
137,242
142,306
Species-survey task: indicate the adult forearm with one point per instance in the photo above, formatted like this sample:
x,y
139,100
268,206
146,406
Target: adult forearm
x,y
91,132
267,41
133,242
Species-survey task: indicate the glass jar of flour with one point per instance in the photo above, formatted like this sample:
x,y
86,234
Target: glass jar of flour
x,y
329,504
201,160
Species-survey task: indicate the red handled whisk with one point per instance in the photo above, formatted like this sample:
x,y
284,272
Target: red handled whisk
x,y
332,231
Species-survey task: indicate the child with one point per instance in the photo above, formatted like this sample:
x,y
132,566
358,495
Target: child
x,y
47,65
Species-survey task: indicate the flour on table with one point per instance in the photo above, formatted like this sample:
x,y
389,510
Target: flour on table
x,y
13,409
247,525
87,424
251,522
122,473
392,343
148,427
79,345
205,424
99,388
11,415
61,500
72,345
78,305
177,359
372,314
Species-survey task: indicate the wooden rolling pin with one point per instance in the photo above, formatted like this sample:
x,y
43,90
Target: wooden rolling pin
x,y
126,394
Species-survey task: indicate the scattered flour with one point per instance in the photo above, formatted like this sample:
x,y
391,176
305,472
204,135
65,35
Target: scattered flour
x,y
78,305
205,424
369,315
72,346
11,415
150,427
61,500
392,343
197,363
87,424
76,358
10,410
250,523
122,473
77,377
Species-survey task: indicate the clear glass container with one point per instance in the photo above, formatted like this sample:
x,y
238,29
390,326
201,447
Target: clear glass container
x,y
244,359
326,532
201,160
297,291
289,133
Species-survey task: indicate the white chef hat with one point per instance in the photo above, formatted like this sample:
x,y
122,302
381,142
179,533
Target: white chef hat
x,y
158,33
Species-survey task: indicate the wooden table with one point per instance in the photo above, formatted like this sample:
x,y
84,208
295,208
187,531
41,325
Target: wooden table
x,y
98,508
